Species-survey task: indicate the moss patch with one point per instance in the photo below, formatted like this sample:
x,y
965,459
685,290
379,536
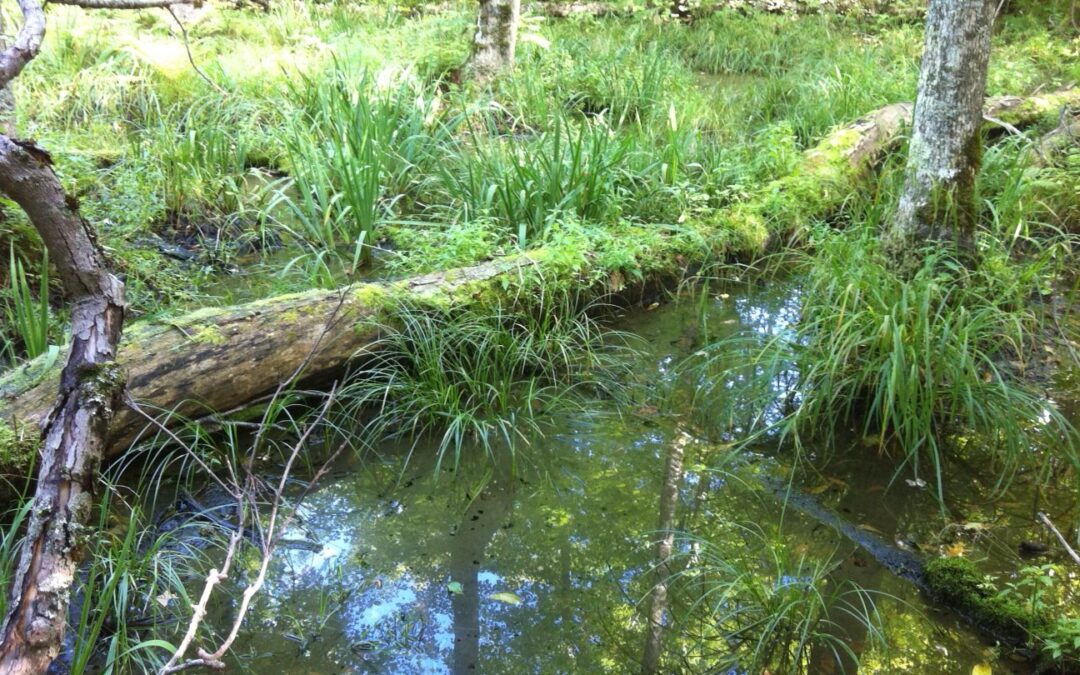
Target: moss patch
x,y
18,448
957,583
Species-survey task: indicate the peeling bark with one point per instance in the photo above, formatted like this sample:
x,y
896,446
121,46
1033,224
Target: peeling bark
x,y
938,202
74,436
76,426
496,38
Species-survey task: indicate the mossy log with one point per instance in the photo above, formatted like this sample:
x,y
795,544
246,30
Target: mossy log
x,y
219,358
951,583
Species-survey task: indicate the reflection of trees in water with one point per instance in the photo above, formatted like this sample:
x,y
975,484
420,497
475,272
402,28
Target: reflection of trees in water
x,y
468,545
658,597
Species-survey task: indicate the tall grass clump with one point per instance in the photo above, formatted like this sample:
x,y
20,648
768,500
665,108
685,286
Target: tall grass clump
x,y
27,315
478,377
355,150
592,70
925,365
764,608
204,150
528,185
130,594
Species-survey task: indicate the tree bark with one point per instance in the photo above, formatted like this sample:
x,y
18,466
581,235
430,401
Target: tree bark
x,y
217,359
7,99
938,202
496,38
75,430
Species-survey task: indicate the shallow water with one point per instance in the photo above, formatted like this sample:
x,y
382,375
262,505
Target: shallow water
x,y
546,571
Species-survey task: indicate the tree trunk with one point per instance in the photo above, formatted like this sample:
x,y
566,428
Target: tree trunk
x,y
496,38
7,99
938,202
75,430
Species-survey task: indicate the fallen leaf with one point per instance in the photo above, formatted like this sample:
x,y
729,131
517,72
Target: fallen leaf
x,y
507,597
982,669
165,598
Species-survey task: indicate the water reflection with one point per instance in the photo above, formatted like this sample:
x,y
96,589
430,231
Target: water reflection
x,y
468,546
548,571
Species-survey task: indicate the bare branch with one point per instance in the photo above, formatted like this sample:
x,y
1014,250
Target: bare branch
x,y
187,48
125,4
247,497
27,44
1045,520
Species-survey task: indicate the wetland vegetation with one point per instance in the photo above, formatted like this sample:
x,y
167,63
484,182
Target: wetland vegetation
x,y
632,339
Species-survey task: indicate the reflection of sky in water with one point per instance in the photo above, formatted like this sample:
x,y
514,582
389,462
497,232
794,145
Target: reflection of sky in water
x,y
572,542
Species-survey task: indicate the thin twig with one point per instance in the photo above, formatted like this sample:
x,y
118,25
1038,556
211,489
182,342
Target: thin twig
x,y
273,532
187,48
1045,519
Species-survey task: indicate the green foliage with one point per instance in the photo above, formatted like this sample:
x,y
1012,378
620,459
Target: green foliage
x,y
926,365
353,153
133,586
27,315
957,582
527,185
769,609
1045,594
487,378
10,541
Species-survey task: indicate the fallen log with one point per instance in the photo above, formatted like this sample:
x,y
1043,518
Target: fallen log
x,y
600,10
1059,142
218,358
951,583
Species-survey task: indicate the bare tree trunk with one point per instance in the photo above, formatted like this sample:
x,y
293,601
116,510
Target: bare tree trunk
x,y
938,200
74,436
7,99
496,38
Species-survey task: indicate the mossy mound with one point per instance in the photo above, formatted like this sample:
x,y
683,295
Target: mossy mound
x,y
957,583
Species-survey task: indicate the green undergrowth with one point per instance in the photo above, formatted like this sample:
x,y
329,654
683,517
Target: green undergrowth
x,y
958,583
484,378
950,360
1031,608
604,122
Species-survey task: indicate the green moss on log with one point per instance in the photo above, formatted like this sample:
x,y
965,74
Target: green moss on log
x,y
957,583
18,448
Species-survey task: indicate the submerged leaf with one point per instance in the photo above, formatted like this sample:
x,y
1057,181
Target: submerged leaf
x,y
507,597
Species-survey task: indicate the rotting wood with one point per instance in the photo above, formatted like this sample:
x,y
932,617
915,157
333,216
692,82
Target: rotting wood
x,y
215,359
